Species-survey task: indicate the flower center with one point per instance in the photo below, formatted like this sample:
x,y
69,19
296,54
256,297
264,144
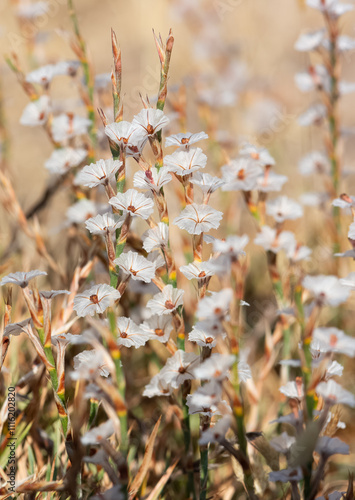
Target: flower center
x,y
202,274
182,369
333,340
150,129
131,208
159,332
209,340
255,156
169,304
94,299
217,373
123,335
241,174
184,140
218,310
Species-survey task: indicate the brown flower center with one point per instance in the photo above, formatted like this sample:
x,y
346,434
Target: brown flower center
x,y
184,140
169,304
202,274
209,340
150,129
241,174
255,156
94,299
123,335
131,208
333,340
159,332
182,369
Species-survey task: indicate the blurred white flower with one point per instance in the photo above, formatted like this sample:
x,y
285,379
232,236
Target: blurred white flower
x,y
206,182
166,301
197,270
197,219
334,340
185,162
62,159
334,394
134,203
310,41
158,328
214,433
137,266
152,180
89,364
282,443
81,211
327,290
293,389
42,75
313,163
270,182
215,306
101,172
283,208
333,8
180,367
313,115
156,238
97,434
103,224
271,240
216,367
95,300
67,125
158,386
20,278
36,112
328,446
259,156
287,475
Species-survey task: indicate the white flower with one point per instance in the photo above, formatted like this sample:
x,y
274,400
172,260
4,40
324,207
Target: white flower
x,y
67,126
316,77
16,329
20,278
158,386
270,182
335,369
152,180
313,163
287,475
95,300
150,121
293,390
42,75
89,364
344,43
185,139
216,367
351,232
334,8
166,301
197,219
313,115
283,208
126,135
36,112
81,211
197,270
259,156
334,394
232,245
204,337
244,371
134,203
283,443
205,399
50,294
240,175
309,41
32,10
137,266
327,290
185,162
97,434
129,334
180,367
156,237
215,306
273,241
62,159
103,224
158,328
217,432
349,281
334,340
102,80
296,252
344,201
206,182
328,446
97,173
67,68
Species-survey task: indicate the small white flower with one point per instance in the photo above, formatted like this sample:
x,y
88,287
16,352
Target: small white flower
x,y
20,278
185,162
97,434
244,371
270,182
259,156
216,432
89,364
313,115
296,252
50,294
102,81
42,75
185,139
335,369
205,337
344,43
158,328
313,163
180,367
103,224
293,390
81,211
328,446
166,301
216,367
205,399
62,159
158,386
101,172
232,246
309,41
197,270
67,126
95,300
156,238
287,475
215,306
129,334
152,180
134,203
327,290
240,175
334,340
344,201
67,68
206,182
32,10
334,8
273,241
150,121
349,281
283,443
126,135
137,266
283,208
197,219
316,77
334,394
36,112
